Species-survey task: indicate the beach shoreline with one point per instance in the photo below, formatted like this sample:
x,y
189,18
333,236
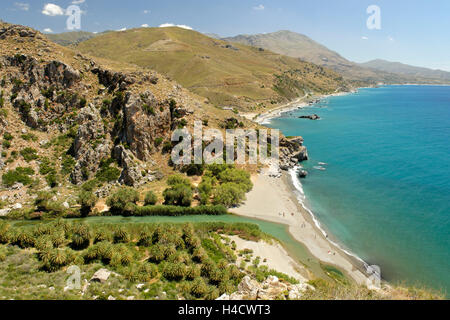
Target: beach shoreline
x,y
296,104
282,206
302,223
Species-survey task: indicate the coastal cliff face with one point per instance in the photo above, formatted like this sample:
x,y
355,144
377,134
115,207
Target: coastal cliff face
x,y
292,151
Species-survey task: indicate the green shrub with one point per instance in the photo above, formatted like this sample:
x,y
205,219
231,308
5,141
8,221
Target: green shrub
x,y
68,164
173,271
29,154
150,198
107,173
123,202
229,194
19,175
87,200
158,141
199,287
239,177
8,136
121,235
6,144
180,192
102,235
52,180
148,109
81,236
29,137
174,211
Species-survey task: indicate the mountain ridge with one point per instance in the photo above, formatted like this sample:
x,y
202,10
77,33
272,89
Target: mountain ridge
x,y
229,75
300,46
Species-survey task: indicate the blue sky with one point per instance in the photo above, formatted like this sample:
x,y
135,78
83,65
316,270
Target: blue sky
x,y
415,32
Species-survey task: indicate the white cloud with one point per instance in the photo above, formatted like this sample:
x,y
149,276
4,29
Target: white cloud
x,y
22,6
183,26
391,39
52,10
78,1
123,29
259,8
145,25
364,38
48,30
146,11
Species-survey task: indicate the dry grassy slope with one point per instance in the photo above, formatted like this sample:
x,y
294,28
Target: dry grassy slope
x,y
229,75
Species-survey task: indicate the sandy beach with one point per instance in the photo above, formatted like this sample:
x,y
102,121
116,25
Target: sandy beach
x,y
296,104
273,199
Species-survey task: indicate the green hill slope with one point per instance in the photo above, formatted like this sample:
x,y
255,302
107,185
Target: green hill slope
x,y
227,74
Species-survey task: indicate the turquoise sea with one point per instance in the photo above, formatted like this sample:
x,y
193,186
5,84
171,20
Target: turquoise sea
x,y
385,193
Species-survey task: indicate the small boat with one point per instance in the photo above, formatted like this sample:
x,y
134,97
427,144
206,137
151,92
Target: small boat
x,y
320,168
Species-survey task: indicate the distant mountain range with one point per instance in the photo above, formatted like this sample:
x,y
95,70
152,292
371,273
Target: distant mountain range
x,y
300,46
296,45
407,70
70,38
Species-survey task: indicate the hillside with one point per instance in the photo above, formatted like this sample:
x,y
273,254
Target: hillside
x,y
300,46
408,70
66,120
70,38
228,75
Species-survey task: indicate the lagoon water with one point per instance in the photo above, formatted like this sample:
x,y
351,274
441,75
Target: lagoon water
x,y
385,193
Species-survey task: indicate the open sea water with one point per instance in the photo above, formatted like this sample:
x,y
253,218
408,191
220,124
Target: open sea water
x,y
379,177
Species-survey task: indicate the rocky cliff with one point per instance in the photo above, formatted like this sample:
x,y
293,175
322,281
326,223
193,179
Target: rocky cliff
x,y
79,116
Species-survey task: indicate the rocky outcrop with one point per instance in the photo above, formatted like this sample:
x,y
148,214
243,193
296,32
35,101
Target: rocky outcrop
x,y
271,289
101,275
292,152
17,30
310,117
91,144
145,121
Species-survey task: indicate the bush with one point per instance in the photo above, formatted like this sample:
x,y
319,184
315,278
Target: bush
x,y
29,154
205,189
87,200
199,287
52,180
107,173
19,175
178,195
173,271
158,141
148,109
229,194
150,198
175,211
81,236
8,136
121,235
68,164
239,177
123,202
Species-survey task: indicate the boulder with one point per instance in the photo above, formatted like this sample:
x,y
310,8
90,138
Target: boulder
x,y
101,275
310,117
